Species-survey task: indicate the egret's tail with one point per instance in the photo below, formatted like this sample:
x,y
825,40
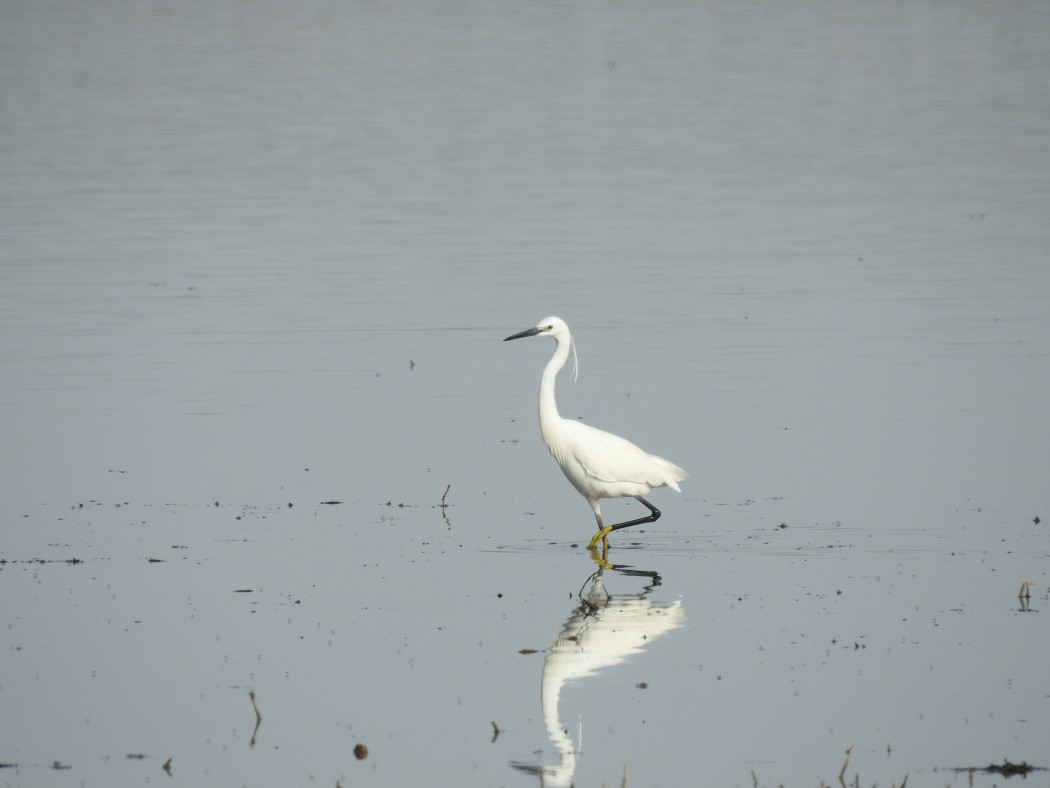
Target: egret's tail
x,y
673,474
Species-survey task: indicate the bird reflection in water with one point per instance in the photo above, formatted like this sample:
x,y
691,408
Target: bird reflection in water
x,y
603,630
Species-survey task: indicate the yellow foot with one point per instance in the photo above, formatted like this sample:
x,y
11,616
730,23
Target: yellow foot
x,y
602,536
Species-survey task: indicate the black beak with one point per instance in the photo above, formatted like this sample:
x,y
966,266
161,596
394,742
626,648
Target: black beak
x,y
528,332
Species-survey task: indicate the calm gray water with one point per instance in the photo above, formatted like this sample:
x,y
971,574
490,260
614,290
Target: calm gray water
x,y
257,257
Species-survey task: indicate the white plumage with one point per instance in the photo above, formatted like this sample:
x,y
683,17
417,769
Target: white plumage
x,y
597,463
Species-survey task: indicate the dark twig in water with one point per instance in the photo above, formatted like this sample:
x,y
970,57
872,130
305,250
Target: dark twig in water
x,y
855,783
258,717
1024,596
842,774
443,506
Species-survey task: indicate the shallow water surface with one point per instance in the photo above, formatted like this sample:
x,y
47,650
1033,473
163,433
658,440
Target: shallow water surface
x,y
273,485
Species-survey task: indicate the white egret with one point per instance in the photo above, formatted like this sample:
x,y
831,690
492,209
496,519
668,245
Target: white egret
x,y
597,463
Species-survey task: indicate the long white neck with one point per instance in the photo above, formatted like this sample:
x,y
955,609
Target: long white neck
x,y
548,407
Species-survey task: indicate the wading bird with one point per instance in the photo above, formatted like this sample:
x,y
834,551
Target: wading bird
x,y
599,464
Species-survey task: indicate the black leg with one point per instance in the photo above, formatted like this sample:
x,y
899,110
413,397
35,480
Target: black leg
x,y
652,518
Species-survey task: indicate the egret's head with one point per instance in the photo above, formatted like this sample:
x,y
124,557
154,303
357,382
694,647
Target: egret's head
x,y
558,329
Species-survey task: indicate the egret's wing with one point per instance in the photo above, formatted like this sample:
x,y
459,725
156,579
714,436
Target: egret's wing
x,y
610,458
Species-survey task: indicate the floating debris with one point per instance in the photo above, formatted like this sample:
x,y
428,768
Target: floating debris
x,y
1010,769
1005,769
